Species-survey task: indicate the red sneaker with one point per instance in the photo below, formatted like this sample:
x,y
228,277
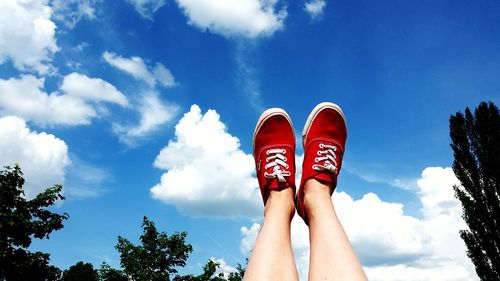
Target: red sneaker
x,y
274,151
324,137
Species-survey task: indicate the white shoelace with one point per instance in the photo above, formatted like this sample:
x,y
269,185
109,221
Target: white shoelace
x,y
276,160
328,157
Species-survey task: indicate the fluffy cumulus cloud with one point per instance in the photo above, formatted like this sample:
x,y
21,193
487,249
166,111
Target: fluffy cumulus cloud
x,y
249,236
42,157
248,18
27,35
206,172
153,114
392,245
315,8
147,8
136,67
400,237
70,12
81,102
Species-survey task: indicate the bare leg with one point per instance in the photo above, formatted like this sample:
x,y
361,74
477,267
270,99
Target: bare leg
x,y
272,256
332,256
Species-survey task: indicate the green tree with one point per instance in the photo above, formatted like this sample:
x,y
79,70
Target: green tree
x,y
238,275
20,221
160,256
476,148
80,272
106,273
157,258
209,274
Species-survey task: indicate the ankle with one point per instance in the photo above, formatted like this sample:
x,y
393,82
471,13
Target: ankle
x,y
316,198
315,188
280,202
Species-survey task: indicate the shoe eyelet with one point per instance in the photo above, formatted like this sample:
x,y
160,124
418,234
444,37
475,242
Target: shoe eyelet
x,y
319,152
283,151
321,145
316,160
284,158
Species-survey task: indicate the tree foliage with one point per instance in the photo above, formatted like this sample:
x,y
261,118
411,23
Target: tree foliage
x,y
157,258
106,273
238,275
21,220
160,256
210,274
80,272
476,147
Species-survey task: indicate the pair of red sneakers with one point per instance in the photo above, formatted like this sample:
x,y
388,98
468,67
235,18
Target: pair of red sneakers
x,y
323,137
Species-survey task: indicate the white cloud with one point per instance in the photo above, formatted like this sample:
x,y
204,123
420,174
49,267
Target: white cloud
x,y
443,216
247,75
25,97
437,271
436,200
27,35
248,18
81,47
133,66
300,242
388,230
392,245
153,114
249,236
163,75
70,12
136,67
152,110
223,268
42,157
94,89
315,8
207,174
146,8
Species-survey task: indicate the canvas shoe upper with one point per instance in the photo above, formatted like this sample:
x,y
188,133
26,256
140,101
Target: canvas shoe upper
x,y
274,151
324,138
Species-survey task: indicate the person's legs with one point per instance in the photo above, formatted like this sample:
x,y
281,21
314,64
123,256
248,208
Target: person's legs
x,y
274,153
332,256
324,137
272,257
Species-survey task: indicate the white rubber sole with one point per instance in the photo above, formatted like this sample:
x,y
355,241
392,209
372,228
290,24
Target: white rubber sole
x,y
315,112
268,114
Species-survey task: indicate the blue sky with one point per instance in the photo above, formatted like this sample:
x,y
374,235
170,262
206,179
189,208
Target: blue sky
x,y
147,108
